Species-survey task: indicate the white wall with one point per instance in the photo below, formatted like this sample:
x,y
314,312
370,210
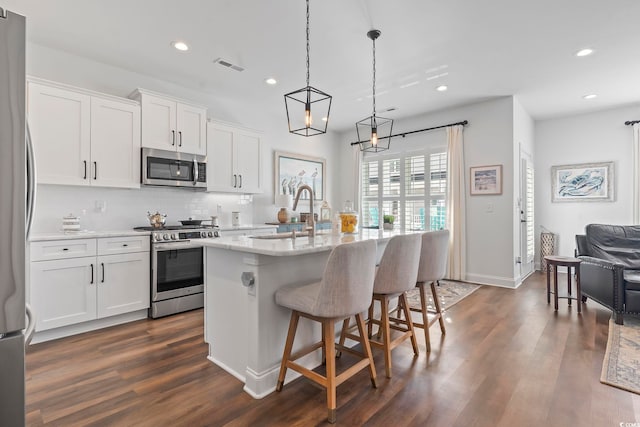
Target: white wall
x,y
585,138
488,140
127,208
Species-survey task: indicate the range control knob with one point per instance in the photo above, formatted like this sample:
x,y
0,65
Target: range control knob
x,y
203,234
173,236
210,234
158,237
165,236
216,234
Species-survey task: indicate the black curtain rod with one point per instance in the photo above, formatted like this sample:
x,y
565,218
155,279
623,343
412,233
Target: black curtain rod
x,y
631,122
403,134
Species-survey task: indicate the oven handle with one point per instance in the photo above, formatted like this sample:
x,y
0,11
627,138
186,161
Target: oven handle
x,y
188,244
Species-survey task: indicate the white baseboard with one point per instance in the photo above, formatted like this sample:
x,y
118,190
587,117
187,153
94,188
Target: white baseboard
x,y
503,282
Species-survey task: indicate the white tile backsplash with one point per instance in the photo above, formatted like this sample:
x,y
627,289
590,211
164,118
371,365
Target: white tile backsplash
x,y
103,209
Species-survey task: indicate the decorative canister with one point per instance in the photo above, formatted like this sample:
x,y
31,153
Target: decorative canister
x,y
70,223
349,218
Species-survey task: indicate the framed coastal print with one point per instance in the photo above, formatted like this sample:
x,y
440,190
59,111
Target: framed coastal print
x,y
585,182
293,170
486,180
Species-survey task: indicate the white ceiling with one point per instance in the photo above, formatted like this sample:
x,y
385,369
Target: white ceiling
x,y
480,49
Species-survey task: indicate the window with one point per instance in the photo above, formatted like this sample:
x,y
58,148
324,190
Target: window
x,y
395,186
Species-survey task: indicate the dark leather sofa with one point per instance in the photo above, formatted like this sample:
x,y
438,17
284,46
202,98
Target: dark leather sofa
x,y
610,268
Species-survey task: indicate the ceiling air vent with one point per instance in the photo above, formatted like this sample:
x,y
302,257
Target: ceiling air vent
x,y
227,64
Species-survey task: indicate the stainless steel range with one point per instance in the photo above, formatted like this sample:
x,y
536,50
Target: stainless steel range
x,y
177,274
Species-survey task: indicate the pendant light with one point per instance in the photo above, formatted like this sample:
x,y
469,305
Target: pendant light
x,y
374,132
307,108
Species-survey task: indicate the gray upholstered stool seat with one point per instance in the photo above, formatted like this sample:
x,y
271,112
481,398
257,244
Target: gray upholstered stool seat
x,y
345,290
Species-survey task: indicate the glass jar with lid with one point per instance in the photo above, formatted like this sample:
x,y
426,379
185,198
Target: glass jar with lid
x,y
349,218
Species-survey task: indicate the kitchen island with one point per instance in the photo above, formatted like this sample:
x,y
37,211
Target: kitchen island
x,y
244,327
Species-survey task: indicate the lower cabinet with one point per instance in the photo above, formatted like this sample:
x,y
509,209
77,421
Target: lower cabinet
x,y
71,290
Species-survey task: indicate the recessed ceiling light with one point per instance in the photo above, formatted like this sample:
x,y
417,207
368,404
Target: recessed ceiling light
x,y
590,96
270,81
584,52
181,46
442,88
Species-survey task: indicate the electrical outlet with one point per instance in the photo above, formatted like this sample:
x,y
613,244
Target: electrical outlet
x,y
489,207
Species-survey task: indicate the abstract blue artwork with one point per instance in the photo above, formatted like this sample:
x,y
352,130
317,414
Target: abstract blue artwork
x,y
582,182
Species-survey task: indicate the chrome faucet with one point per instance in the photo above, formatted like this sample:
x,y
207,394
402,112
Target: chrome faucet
x,y
311,226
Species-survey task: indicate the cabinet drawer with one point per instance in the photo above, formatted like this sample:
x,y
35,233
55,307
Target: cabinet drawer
x,y
62,249
123,245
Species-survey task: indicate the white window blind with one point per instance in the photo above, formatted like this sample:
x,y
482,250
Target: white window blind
x,y
410,187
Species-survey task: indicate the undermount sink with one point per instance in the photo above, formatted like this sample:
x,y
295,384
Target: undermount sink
x,y
280,235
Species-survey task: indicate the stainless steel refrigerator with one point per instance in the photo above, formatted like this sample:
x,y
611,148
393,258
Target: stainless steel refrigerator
x,y
16,205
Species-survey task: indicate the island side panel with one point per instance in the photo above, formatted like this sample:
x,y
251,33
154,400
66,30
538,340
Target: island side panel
x,y
270,322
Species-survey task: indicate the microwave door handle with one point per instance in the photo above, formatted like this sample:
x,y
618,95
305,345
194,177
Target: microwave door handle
x,y
196,173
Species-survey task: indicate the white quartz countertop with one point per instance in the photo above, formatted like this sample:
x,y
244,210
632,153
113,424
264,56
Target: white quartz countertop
x,y
246,227
85,234
323,241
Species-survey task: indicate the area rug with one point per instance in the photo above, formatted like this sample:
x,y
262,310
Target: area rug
x,y
621,365
450,293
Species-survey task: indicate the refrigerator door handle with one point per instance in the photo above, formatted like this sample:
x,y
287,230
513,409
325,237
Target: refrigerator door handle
x,y
31,326
31,182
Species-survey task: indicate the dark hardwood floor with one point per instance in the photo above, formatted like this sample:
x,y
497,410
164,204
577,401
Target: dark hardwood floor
x,y
507,360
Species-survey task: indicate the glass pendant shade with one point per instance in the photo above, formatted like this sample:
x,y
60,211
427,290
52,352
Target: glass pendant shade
x,y
308,111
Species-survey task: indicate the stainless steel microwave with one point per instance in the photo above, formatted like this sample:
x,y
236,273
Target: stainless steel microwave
x,y
173,169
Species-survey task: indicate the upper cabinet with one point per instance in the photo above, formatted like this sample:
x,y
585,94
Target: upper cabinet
x,y
82,137
234,159
172,124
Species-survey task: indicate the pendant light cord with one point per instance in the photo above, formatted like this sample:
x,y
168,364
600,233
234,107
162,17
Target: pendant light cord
x,y
374,79
307,42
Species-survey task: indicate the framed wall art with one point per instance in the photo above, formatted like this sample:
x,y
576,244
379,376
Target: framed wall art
x,y
292,170
585,182
486,180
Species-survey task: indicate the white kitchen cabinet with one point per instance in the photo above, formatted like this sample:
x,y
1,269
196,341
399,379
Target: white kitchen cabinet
x,y
79,280
234,161
63,292
82,137
171,124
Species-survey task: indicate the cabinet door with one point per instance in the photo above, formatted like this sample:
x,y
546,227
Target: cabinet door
x,y
115,143
59,121
220,159
123,283
159,123
247,160
192,129
63,291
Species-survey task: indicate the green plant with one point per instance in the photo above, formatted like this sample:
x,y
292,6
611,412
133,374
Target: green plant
x,y
388,219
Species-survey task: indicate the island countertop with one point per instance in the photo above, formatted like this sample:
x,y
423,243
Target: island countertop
x,y
286,246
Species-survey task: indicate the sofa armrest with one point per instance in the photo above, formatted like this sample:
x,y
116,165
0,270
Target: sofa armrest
x,y
603,281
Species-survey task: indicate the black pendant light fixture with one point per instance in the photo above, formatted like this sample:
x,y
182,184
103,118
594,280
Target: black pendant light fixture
x,y
307,108
374,132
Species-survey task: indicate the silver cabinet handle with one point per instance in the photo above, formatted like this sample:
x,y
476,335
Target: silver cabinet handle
x,y
173,137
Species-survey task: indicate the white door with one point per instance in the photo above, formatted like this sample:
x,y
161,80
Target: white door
x,y
59,121
527,237
192,129
63,291
159,123
115,143
220,174
123,283
247,160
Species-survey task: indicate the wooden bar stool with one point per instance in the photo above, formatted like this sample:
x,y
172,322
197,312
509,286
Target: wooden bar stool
x,y
345,290
396,275
554,262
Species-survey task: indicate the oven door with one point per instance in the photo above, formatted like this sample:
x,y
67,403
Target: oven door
x,y
168,168
177,270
